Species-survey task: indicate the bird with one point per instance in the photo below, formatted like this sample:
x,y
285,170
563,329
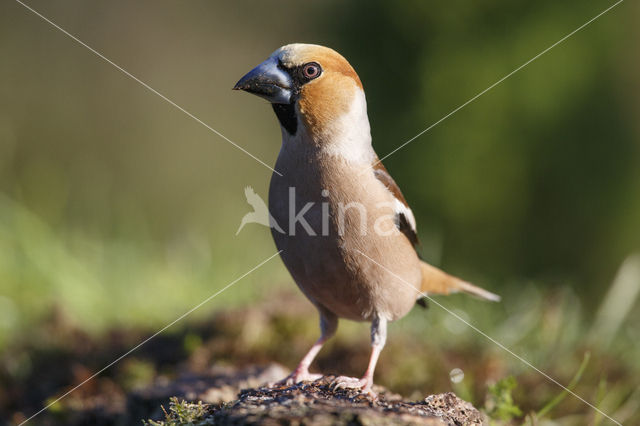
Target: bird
x,y
260,213
350,240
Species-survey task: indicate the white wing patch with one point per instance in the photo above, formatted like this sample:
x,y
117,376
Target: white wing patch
x,y
400,208
405,220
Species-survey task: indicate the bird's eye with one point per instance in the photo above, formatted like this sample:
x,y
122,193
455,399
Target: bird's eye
x,y
311,70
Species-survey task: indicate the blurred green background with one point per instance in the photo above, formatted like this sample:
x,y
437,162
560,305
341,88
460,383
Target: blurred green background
x,y
121,211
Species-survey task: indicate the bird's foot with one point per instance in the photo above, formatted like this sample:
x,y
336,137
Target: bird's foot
x,y
298,376
345,382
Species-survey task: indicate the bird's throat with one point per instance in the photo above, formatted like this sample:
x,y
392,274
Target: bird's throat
x,y
286,114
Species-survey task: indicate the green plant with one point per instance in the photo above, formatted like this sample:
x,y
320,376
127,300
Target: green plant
x,y
181,413
555,401
500,404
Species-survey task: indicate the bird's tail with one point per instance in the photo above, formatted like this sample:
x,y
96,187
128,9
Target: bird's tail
x,y
435,281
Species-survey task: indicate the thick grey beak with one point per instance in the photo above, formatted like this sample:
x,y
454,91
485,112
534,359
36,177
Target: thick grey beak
x,y
268,81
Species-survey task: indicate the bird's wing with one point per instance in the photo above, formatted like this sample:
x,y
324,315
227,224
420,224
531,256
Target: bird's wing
x,y
249,192
405,221
434,281
254,199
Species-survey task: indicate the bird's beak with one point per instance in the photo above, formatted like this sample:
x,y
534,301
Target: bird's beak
x,y
268,81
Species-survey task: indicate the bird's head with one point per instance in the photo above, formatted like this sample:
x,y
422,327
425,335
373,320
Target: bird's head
x,y
308,85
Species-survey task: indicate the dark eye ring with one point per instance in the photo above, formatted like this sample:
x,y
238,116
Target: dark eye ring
x,y
311,70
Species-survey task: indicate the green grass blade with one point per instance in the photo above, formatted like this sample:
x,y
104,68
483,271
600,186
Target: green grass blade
x,y
555,401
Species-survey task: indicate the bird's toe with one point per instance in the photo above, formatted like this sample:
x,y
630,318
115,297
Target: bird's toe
x,y
345,382
297,377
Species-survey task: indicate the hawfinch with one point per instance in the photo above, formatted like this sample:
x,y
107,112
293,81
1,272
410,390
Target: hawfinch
x,y
346,234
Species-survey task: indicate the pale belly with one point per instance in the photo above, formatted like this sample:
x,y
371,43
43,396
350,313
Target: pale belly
x,y
327,249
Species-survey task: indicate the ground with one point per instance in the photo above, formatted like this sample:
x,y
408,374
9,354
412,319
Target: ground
x,y
311,403
195,360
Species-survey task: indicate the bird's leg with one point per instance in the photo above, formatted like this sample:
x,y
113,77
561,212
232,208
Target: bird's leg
x,y
328,327
378,339
301,373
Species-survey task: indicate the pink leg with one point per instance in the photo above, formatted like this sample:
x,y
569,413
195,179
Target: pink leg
x,y
301,373
375,354
378,339
328,326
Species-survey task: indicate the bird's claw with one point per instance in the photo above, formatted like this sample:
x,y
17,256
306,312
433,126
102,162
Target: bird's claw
x,y
345,382
297,377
